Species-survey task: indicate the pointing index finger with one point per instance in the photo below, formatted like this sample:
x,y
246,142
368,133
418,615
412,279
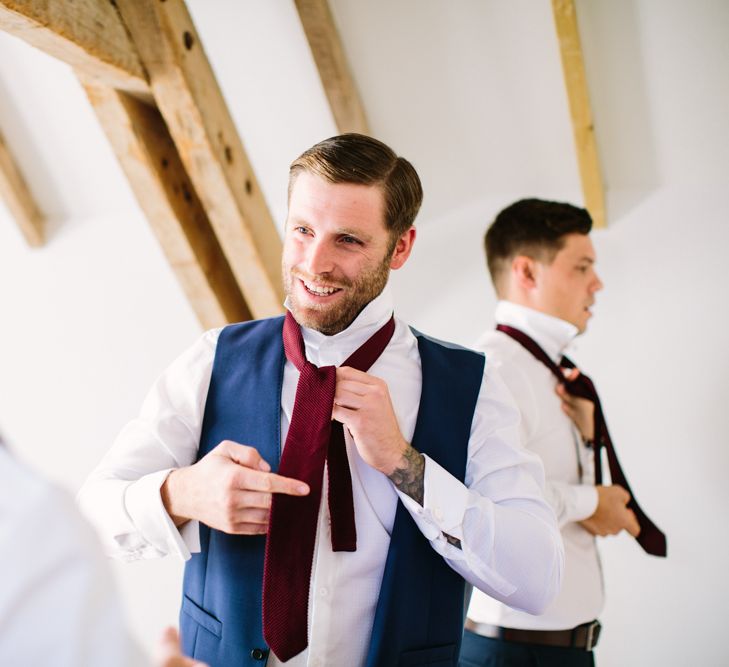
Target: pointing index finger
x,y
269,482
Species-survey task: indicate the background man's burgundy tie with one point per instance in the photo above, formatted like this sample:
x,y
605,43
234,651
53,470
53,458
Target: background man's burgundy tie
x,y
650,538
312,439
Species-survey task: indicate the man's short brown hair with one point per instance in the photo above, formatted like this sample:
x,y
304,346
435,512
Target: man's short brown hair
x,y
359,159
532,227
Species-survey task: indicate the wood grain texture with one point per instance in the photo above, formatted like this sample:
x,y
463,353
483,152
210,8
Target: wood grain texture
x,y
188,96
336,77
87,34
149,158
17,197
573,67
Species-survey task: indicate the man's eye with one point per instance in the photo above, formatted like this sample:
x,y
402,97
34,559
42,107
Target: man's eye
x,y
351,239
301,230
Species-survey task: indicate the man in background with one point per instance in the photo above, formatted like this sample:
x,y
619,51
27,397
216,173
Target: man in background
x,y
542,264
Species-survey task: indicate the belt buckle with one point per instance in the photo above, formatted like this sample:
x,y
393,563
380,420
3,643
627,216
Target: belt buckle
x,y
593,633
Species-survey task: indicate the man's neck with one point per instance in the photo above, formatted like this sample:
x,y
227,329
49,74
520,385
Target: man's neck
x,y
551,333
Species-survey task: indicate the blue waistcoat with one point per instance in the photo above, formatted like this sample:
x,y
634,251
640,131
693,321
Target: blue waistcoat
x,y
419,614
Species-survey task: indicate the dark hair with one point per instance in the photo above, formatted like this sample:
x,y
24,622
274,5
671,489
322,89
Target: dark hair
x,y
532,227
356,158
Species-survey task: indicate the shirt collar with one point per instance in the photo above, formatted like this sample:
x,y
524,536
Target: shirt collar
x,y
551,333
323,350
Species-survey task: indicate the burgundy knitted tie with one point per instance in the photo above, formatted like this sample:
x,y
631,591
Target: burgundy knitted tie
x,y
650,538
312,439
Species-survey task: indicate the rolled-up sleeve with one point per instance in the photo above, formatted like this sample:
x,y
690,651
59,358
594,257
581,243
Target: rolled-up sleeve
x,y
121,496
509,545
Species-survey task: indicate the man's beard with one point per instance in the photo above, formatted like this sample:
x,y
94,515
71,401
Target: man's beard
x,y
331,319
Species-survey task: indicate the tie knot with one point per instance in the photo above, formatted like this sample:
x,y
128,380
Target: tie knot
x,y
361,359
318,382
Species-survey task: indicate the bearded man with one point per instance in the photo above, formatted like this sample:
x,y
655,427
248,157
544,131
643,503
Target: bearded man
x,y
333,476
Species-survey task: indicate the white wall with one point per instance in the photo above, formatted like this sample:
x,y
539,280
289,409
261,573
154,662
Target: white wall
x,y
472,95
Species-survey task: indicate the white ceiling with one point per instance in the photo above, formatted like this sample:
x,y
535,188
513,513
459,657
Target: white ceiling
x,y
470,91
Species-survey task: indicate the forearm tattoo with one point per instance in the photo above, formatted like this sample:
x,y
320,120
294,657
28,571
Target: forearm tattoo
x,y
409,476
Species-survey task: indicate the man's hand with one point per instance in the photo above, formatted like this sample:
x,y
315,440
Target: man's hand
x,y
169,653
229,489
579,410
612,515
362,403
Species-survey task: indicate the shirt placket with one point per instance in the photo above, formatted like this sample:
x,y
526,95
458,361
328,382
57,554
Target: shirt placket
x,y
324,584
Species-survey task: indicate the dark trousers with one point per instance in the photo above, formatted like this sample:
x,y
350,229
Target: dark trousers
x,y
478,651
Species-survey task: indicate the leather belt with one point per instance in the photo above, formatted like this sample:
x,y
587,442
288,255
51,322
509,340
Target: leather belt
x,y
584,636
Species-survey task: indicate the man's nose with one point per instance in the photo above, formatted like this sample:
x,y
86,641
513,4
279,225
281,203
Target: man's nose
x,y
597,284
319,258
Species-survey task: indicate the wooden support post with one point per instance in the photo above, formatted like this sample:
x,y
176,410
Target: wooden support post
x,y
573,66
189,99
149,158
150,48
14,192
326,47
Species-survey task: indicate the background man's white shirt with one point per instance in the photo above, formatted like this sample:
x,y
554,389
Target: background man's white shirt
x,y
568,464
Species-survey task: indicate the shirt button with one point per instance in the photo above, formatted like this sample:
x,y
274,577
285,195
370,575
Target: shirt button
x,y
258,654
323,592
438,514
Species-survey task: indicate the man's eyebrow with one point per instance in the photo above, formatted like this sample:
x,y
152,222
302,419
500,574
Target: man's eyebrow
x,y
357,233
589,260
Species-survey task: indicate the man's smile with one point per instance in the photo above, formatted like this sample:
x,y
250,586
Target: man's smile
x,y
319,290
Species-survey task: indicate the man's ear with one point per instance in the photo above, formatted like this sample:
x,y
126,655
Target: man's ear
x,y
523,272
402,249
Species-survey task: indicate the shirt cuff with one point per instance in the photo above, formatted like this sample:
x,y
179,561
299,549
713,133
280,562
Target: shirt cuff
x,y
143,502
585,501
444,503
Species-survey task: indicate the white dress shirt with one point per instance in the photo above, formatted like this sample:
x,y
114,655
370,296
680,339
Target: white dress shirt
x,y
58,605
568,465
510,542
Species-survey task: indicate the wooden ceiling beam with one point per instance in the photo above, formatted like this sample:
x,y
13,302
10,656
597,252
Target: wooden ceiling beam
x,y
149,158
87,34
21,204
573,67
336,77
150,48
192,105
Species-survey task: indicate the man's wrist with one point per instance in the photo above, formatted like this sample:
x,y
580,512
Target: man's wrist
x,y
396,459
172,497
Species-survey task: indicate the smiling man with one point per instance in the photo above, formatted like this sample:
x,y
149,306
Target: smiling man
x,y
336,476
542,264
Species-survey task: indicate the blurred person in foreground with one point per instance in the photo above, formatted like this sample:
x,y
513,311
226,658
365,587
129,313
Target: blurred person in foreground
x,y
58,602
